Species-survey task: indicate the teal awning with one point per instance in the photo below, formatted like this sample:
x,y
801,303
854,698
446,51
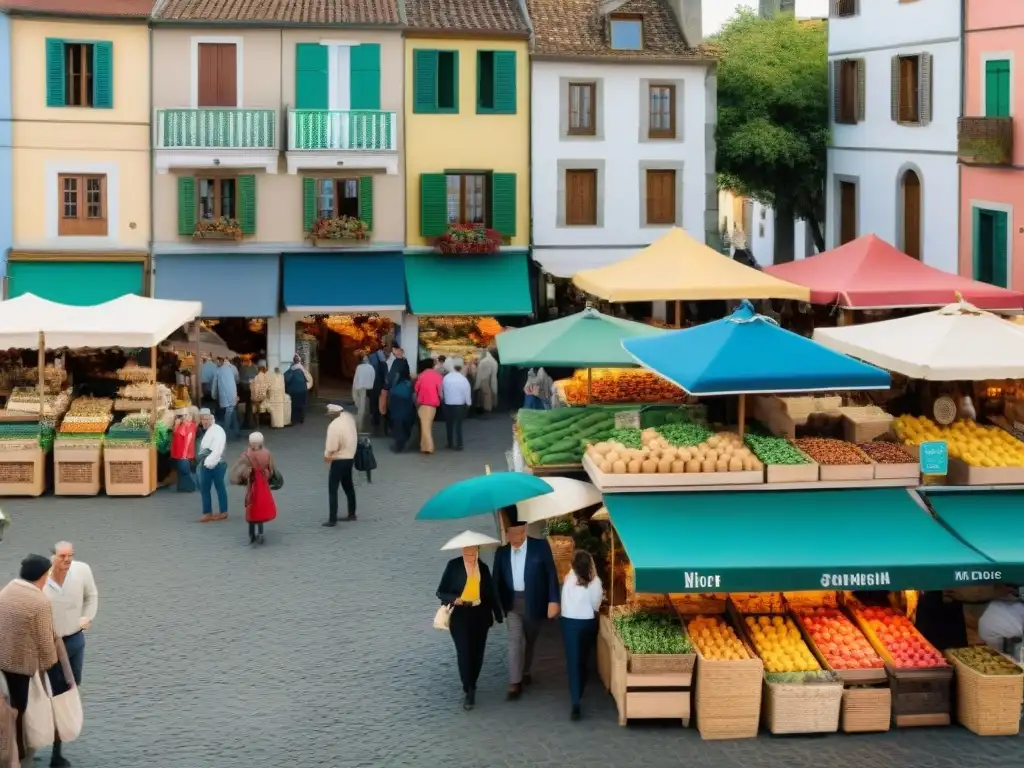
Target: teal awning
x,y
990,521
787,541
77,281
468,284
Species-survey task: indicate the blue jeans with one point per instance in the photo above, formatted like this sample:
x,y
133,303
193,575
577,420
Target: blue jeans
x,y
213,478
186,480
228,418
75,646
579,637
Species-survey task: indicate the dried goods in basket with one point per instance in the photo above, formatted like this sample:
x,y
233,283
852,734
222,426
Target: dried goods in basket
x,y
990,688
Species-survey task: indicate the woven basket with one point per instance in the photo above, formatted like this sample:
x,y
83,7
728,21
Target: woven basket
x,y
988,705
728,698
866,710
562,548
802,708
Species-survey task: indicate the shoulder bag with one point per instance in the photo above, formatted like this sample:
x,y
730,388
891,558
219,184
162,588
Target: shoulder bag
x,y
365,461
276,479
38,719
443,618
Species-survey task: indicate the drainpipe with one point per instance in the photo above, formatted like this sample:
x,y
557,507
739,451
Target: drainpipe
x,y
963,110
152,172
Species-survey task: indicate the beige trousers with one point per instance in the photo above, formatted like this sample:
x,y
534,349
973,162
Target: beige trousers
x,y
486,397
427,413
361,399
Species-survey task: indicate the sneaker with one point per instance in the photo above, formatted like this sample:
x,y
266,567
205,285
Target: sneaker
x,y
329,524
575,714
350,518
470,701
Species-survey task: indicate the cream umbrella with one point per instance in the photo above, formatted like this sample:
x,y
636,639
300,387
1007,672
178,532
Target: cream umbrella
x,y
567,496
470,539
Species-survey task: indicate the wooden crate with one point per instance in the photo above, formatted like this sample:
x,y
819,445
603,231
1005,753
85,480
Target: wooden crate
x,y
911,471
612,482
77,470
830,472
988,705
23,469
127,471
862,425
793,473
961,473
802,707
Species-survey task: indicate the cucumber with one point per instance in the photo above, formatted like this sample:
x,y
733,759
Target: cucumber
x,y
560,458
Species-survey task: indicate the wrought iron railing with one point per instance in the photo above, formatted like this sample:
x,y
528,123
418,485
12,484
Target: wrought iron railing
x,y
342,130
216,128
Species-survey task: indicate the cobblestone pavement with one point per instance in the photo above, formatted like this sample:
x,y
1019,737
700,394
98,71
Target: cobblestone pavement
x,y
317,649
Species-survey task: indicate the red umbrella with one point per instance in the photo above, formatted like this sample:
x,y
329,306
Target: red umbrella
x,y
869,273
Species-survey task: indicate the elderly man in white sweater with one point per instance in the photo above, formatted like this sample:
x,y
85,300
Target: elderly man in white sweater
x,y
212,467
339,455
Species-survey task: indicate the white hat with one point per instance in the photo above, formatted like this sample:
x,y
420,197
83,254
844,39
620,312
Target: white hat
x,y
470,539
256,437
332,408
205,412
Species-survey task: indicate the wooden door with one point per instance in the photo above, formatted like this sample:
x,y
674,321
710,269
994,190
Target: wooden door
x,y
580,197
661,197
847,212
218,75
912,215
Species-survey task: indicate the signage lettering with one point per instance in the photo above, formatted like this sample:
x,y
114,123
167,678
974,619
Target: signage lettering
x,y
854,580
697,580
962,576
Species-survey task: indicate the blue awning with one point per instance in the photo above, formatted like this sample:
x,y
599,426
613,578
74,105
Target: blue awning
x,y
368,281
228,284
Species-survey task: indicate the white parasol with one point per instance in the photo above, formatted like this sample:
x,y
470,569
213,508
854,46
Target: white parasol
x,y
567,496
470,539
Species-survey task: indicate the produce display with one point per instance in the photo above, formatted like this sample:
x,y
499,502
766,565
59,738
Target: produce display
x,y
557,436
615,385
644,632
88,415
984,660
138,396
780,645
722,452
839,640
26,400
123,435
803,678
758,602
831,452
774,450
901,640
884,452
972,443
716,640
13,434
685,435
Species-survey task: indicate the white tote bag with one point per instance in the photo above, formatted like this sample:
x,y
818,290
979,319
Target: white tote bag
x,y
443,617
67,714
38,721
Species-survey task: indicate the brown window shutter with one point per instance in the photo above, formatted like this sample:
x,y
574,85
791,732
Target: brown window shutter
x,y
837,87
895,77
924,89
861,90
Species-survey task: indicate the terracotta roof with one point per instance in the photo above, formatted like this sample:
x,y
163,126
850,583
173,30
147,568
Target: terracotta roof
x,y
127,9
467,15
281,11
577,29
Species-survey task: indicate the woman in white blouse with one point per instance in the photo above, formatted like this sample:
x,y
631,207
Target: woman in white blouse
x,y
581,597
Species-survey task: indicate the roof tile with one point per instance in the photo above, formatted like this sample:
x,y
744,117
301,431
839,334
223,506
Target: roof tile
x,y
467,15
127,9
281,11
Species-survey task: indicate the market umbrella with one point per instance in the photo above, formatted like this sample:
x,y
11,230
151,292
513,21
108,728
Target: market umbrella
x,y
568,496
956,343
869,273
470,539
482,495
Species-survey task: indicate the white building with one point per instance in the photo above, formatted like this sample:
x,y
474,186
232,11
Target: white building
x,y
895,85
623,118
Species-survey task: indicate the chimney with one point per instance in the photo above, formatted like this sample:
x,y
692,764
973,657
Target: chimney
x,y
689,17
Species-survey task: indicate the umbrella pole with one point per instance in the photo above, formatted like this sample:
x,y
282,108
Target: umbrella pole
x,y
197,367
742,415
152,419
590,385
41,382
611,588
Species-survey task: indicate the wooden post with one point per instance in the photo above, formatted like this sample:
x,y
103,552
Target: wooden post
x,y
41,365
197,388
590,385
679,313
152,420
845,317
611,578
741,417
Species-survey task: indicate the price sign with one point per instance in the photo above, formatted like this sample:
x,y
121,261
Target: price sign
x,y
627,420
934,458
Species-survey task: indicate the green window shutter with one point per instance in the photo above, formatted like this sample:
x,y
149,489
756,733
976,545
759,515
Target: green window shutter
x,y
366,200
103,75
1000,224
424,81
247,204
364,76
503,203
997,88
311,80
186,205
55,72
504,83
308,204
433,204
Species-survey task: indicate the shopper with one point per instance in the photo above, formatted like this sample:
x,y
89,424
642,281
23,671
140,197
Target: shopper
x,y
486,381
428,400
212,467
401,405
72,591
339,455
254,469
259,392
206,374
297,383
398,368
582,594
458,396
27,641
225,392
362,386
183,448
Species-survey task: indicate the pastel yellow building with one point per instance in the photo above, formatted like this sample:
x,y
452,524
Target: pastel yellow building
x,y
467,155
80,151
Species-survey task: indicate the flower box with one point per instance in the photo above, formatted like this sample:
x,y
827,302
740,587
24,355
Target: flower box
x,y
338,231
218,229
462,238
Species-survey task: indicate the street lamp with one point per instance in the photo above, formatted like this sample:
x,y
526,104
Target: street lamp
x,y
4,522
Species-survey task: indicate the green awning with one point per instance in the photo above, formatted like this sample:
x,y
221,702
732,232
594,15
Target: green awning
x,y
990,521
470,284
80,282
759,541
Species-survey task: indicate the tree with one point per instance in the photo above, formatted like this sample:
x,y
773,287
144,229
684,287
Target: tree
x,y
773,121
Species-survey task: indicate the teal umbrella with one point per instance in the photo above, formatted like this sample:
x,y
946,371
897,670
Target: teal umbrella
x,y
482,495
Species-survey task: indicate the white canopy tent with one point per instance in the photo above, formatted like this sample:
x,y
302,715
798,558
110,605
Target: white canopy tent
x,y
956,343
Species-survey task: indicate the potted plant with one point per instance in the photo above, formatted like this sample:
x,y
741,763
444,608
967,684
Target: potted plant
x,y
559,533
221,228
469,238
330,229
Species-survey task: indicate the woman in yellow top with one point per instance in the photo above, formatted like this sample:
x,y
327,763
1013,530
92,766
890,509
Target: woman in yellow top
x,y
468,588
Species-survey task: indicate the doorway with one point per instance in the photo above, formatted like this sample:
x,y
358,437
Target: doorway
x,y
847,212
991,262
910,192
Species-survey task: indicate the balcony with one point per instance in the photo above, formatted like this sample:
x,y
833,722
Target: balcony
x,y
321,139
985,140
222,137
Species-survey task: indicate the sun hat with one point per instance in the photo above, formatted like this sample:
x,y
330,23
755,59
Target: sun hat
x,y
470,539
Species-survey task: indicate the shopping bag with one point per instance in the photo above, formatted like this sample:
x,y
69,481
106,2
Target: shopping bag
x,y
67,714
38,720
365,461
443,618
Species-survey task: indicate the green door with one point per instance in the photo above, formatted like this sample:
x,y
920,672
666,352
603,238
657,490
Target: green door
x,y
81,283
997,88
990,229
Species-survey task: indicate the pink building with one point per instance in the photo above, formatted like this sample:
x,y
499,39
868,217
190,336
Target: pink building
x,y
991,144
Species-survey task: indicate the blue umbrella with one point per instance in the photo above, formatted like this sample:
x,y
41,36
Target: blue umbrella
x,y
747,353
482,495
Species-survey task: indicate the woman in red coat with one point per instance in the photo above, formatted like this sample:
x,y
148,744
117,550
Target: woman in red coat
x,y
183,449
255,468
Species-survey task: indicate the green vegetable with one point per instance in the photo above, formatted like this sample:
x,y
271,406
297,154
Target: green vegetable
x,y
565,457
628,437
685,434
774,450
651,632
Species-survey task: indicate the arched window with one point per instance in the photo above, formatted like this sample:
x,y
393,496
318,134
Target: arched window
x,y
910,199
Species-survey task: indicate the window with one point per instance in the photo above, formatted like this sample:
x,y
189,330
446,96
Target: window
x,y
466,196
217,198
337,197
909,87
662,119
79,74
912,89
83,205
496,82
435,81
661,197
844,8
580,198
997,88
218,75
848,97
847,212
627,33
582,109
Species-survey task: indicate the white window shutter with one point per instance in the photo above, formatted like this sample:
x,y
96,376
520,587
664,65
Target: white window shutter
x,y
924,88
895,106
861,90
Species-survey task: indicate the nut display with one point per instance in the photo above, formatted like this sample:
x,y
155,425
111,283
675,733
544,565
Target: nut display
x,y
612,385
983,659
831,452
885,452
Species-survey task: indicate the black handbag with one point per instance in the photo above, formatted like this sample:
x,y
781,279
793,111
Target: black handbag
x,y
365,461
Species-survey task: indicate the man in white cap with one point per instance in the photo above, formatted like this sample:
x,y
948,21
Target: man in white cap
x,y
212,467
339,455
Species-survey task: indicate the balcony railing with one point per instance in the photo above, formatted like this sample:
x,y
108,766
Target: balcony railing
x,y
342,130
985,140
216,128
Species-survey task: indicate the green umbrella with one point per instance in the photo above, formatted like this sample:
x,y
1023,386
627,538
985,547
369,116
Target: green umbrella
x,y
587,339
482,495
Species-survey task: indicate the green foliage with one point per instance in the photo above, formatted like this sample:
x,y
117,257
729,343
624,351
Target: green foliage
x,y
649,632
773,112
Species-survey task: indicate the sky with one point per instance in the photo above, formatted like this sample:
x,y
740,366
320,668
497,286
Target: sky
x,y
717,12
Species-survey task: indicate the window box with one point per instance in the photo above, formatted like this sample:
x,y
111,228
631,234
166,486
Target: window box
x,y
328,231
217,229
466,238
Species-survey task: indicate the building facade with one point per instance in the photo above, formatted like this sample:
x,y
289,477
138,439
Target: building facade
x,y
278,167
6,188
991,144
80,151
895,86
623,114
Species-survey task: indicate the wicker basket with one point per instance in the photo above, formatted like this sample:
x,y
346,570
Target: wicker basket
x,y
988,705
802,708
866,710
728,698
562,548
654,663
